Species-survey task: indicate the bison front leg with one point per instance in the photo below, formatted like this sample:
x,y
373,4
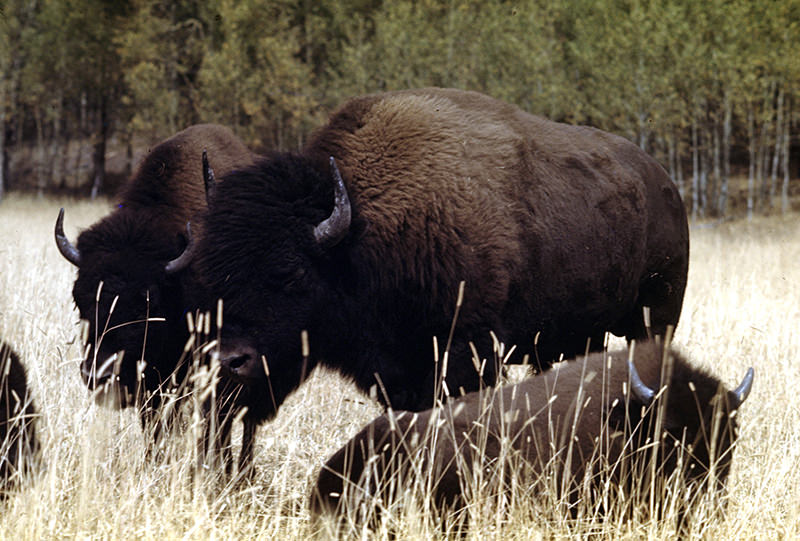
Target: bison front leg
x,y
157,423
423,376
474,360
246,469
215,452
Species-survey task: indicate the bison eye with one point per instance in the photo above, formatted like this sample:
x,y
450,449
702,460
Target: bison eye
x,y
288,275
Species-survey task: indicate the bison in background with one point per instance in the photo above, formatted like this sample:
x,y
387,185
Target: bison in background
x,y
559,232
132,285
19,446
574,434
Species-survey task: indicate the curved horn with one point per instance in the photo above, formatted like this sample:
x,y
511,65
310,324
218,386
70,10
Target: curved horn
x,y
743,390
183,260
640,390
208,178
66,248
332,230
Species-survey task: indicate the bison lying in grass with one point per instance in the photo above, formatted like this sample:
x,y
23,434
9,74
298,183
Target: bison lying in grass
x,y
18,443
575,433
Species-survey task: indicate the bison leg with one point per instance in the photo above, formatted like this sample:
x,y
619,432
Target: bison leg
x,y
249,427
156,426
215,449
463,373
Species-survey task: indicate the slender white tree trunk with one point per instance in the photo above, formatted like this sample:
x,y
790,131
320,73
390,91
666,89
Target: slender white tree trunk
x,y
776,155
2,147
726,156
695,170
785,186
751,174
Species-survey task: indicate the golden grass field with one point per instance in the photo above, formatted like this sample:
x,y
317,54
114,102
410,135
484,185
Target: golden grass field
x,y
742,308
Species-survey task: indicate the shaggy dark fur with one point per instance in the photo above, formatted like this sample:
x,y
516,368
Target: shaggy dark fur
x,y
127,252
18,441
559,232
531,429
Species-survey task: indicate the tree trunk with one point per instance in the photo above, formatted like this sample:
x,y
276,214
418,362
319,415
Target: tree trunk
x,y
39,153
776,155
695,170
56,151
726,156
2,146
785,186
671,157
762,153
716,175
128,154
703,139
751,174
679,168
99,153
78,178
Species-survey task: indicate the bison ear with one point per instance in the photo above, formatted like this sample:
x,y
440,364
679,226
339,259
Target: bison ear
x,y
332,230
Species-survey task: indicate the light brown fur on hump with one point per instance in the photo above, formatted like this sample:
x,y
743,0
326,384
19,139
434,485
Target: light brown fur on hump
x,y
421,163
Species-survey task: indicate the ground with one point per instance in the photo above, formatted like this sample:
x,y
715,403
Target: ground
x,y
742,309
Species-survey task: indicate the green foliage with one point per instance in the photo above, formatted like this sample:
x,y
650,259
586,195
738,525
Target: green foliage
x,y
254,78
666,74
161,46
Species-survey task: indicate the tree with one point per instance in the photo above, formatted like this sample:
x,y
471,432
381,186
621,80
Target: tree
x,y
253,76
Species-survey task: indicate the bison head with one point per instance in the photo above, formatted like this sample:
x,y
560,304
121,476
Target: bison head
x,y
128,292
268,251
699,416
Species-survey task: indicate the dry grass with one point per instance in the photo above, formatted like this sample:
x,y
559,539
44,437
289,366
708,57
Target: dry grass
x,y
742,308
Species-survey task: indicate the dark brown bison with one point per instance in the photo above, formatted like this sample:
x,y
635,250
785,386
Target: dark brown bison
x,y
19,446
132,282
559,233
568,433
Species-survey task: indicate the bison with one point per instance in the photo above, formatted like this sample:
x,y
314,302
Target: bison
x,y
19,446
362,239
134,279
568,433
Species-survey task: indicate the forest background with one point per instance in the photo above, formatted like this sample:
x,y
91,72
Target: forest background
x,y
711,88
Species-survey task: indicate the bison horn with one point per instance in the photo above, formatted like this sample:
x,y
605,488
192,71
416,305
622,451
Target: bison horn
x,y
332,230
743,390
208,178
640,390
66,248
183,260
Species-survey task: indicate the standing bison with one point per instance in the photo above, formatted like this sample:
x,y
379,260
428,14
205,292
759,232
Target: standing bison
x,y
567,433
560,233
132,285
19,445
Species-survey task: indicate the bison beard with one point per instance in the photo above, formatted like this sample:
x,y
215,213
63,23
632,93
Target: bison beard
x,y
572,436
134,277
560,233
